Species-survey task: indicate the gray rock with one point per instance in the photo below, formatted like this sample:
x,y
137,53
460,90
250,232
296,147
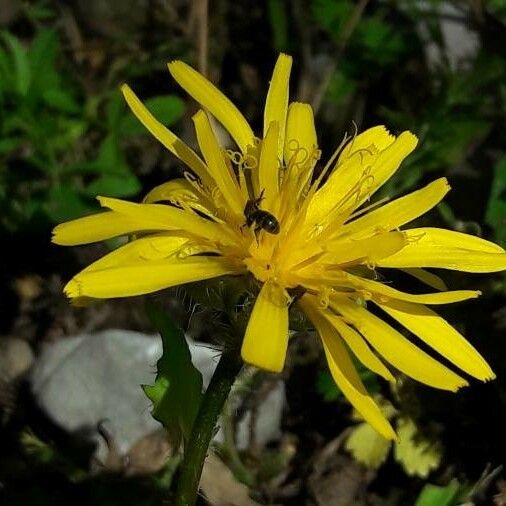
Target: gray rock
x,y
460,43
86,379
83,380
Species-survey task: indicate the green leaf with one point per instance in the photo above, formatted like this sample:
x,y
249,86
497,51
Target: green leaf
x,y
279,24
166,108
381,42
6,73
115,185
60,100
20,60
439,496
110,160
114,111
496,208
327,388
42,56
109,155
340,87
63,202
332,14
9,144
177,391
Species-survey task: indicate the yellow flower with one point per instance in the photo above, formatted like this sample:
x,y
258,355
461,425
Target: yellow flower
x,y
307,233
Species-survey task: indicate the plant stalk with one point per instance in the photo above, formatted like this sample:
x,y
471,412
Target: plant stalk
x,y
203,428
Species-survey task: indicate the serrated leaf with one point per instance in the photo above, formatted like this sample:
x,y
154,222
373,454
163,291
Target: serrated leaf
x,y
367,446
439,496
166,108
177,391
496,208
417,456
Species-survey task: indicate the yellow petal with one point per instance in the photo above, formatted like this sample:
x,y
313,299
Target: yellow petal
x,y
266,338
276,103
439,335
358,346
447,249
429,278
268,175
218,168
343,371
212,99
300,133
130,280
396,349
388,161
98,227
153,247
358,177
376,138
371,249
398,212
162,217
171,141
383,293
182,192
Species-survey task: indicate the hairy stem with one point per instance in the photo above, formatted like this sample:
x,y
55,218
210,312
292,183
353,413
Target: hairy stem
x,y
203,427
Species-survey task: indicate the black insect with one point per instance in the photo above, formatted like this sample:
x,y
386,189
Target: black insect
x,y
263,220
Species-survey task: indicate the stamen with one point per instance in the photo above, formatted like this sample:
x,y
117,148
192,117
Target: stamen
x,y
240,164
234,156
330,161
215,194
356,191
249,162
196,183
295,148
360,152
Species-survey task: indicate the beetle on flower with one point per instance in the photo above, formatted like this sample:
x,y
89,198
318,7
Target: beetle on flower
x,y
330,244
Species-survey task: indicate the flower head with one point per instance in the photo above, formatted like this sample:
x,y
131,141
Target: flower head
x,y
271,209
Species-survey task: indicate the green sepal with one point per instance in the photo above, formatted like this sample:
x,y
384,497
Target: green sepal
x,y
177,390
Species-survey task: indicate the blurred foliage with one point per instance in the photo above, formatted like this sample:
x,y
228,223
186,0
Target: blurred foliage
x,y
496,209
50,164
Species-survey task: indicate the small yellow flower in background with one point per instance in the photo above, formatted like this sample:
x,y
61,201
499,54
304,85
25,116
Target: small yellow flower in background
x,y
272,210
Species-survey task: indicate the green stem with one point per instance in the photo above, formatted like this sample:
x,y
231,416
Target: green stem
x,y
203,427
